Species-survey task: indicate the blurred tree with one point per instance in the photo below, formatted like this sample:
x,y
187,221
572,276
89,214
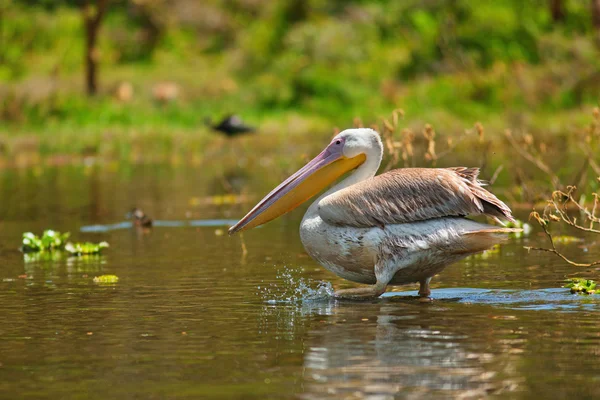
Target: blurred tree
x,y
92,18
596,14
2,46
557,10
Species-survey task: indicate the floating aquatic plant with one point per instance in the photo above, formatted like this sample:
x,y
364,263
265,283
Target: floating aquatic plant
x,y
78,249
50,240
53,241
582,286
106,279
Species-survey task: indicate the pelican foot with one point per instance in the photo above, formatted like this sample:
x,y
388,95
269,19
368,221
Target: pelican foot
x,y
363,293
425,291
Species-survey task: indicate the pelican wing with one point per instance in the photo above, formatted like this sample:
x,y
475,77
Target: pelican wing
x,y
409,195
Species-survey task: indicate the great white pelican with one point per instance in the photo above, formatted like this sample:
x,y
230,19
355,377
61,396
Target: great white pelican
x,y
400,227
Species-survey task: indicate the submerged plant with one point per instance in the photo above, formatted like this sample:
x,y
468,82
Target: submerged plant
x,y
50,240
106,279
582,286
78,249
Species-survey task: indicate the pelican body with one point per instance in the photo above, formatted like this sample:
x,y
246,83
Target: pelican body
x,y
401,227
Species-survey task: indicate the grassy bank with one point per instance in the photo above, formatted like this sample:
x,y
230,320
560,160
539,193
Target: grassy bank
x,y
296,73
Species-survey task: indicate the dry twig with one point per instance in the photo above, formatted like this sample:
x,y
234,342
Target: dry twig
x,y
544,224
560,202
429,135
393,147
556,211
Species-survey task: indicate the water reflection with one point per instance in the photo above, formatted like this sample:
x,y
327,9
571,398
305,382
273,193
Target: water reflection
x,y
386,350
44,268
159,223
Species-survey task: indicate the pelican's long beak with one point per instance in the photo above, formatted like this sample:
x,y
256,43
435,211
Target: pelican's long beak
x,y
304,184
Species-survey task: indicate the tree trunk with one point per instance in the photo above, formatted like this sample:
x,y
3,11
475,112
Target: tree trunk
x,y
596,14
557,10
596,21
92,17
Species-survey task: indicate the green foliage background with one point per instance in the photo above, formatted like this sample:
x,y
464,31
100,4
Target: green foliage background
x,y
506,63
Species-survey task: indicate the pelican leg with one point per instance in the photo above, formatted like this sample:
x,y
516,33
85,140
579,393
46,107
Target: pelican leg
x,y
362,293
383,275
425,291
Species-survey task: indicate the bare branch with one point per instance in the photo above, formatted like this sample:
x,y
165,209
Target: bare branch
x,y
561,209
496,174
563,257
558,204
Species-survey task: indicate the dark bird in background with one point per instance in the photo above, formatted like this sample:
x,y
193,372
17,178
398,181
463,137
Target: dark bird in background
x,y
231,126
139,218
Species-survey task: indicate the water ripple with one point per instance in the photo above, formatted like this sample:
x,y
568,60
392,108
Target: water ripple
x,y
160,223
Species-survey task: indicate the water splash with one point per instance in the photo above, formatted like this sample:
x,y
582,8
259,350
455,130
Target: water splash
x,y
289,288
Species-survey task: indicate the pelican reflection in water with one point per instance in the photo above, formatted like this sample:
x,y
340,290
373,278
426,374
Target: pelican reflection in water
x,y
400,227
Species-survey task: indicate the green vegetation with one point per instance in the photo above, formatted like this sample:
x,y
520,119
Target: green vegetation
x,y
290,67
50,240
581,286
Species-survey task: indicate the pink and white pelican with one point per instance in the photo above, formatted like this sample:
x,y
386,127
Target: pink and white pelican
x,y
400,227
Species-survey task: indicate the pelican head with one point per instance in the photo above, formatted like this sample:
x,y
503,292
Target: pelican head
x,y
347,151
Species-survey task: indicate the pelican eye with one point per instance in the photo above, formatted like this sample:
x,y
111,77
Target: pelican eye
x,y
338,141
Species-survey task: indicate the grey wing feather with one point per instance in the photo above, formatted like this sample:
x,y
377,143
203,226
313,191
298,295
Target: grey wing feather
x,y
412,194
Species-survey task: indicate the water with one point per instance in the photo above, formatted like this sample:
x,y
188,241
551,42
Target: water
x,y
192,316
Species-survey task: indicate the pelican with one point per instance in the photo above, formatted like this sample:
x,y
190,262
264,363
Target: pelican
x,y
397,228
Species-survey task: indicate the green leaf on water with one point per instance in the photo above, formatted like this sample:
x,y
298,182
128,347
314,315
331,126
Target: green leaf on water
x,y
78,249
106,279
581,286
